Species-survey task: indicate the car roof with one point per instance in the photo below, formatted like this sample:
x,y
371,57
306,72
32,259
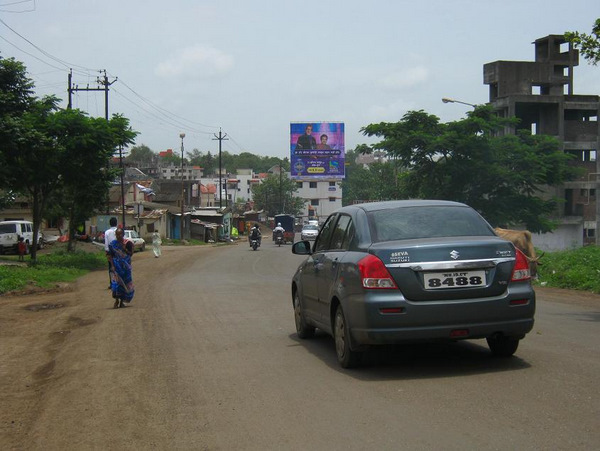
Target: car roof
x,y
392,204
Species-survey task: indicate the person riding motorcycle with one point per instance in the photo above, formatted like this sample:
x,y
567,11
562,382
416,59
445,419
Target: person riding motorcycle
x,y
278,232
278,229
255,234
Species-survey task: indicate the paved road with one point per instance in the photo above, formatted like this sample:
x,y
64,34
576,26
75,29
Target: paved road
x,y
207,358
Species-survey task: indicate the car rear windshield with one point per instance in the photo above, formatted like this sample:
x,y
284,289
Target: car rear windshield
x,y
311,227
8,228
409,223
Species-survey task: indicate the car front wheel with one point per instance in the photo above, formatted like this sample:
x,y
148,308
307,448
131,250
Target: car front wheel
x,y
502,346
302,328
346,356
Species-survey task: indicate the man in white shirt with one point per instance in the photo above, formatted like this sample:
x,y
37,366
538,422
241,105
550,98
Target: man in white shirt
x,y
109,237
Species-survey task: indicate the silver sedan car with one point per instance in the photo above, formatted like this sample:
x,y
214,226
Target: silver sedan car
x,y
309,232
411,271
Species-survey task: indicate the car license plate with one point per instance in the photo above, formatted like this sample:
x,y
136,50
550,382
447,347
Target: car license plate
x,y
453,279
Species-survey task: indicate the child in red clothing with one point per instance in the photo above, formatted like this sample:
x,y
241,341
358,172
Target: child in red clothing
x,y
21,247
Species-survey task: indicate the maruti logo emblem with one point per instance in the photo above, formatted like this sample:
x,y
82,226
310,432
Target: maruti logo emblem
x,y
454,255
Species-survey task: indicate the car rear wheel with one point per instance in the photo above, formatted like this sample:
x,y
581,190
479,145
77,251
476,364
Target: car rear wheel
x,y
346,356
302,328
502,346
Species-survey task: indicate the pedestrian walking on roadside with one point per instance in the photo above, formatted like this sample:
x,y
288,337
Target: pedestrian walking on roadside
x,y
109,236
120,251
156,242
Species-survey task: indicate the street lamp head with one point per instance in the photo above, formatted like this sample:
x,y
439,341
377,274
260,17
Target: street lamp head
x,y
182,135
447,100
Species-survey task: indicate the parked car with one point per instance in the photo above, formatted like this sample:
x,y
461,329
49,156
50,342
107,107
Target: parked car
x,y
10,231
139,244
411,271
309,232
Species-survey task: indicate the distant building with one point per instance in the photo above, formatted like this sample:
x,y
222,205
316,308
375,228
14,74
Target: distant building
x,y
322,197
540,94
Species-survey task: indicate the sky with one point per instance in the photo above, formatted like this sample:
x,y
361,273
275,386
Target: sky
x,y
249,68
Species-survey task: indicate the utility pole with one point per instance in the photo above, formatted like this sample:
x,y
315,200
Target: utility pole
x,y
221,137
182,135
122,186
101,81
106,84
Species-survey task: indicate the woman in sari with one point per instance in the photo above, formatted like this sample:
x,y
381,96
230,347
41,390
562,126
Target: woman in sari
x,y
119,255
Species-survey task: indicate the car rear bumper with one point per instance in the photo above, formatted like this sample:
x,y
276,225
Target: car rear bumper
x,y
438,320
516,329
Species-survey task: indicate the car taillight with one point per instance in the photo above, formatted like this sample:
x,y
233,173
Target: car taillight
x,y
374,274
521,269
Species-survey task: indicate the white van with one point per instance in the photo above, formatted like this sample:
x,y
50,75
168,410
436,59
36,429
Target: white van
x,y
10,231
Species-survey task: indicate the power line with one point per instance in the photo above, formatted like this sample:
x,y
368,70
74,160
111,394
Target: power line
x,y
33,56
164,119
18,3
48,55
164,111
170,118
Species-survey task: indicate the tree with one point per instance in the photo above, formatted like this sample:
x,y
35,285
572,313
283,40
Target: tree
x,y
470,161
141,156
26,151
6,199
378,181
276,196
588,44
46,151
85,145
173,159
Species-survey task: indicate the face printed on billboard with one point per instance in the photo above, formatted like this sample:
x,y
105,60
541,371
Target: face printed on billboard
x,y
317,149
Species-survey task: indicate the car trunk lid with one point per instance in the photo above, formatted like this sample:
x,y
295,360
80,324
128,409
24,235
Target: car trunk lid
x,y
436,268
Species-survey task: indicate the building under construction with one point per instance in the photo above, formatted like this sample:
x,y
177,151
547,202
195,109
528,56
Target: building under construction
x,y
540,93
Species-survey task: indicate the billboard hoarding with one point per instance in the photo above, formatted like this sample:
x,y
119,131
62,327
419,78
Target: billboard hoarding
x,y
317,149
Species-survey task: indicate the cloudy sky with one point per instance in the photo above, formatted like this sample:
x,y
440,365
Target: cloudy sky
x,y
250,67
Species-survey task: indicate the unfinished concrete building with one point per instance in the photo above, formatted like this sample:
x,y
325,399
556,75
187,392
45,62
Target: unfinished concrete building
x,y
540,94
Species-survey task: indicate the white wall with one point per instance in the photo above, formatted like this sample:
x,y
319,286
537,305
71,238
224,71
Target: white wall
x,y
566,236
328,193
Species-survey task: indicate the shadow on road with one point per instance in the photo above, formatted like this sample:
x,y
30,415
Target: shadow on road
x,y
416,361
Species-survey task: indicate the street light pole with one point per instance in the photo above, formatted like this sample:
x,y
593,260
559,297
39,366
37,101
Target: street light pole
x,y
447,100
181,135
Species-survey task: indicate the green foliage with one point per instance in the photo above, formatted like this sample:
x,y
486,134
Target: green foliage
x,y
380,181
471,161
275,195
78,259
7,198
588,44
141,156
46,152
577,269
52,268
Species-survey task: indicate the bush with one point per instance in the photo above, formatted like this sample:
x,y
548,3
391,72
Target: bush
x,y
577,269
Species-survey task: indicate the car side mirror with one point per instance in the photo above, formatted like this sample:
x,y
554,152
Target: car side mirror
x,y
301,248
